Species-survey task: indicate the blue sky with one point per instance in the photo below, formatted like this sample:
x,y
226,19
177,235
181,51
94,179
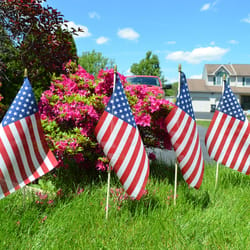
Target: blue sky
x,y
187,32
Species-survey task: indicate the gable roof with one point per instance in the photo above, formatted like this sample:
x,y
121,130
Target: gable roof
x,y
233,69
199,85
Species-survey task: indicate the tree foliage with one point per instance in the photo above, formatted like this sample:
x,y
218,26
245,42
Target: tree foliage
x,y
150,65
94,61
41,41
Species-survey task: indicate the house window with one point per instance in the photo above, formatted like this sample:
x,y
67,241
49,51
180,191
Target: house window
x,y
247,81
219,77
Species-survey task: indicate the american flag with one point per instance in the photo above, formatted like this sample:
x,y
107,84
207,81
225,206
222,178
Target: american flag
x,y
228,136
24,155
181,127
119,137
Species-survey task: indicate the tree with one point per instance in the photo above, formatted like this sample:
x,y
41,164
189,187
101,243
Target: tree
x,y
147,66
94,61
37,34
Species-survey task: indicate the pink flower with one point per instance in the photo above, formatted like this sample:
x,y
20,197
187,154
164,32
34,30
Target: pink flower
x,y
152,156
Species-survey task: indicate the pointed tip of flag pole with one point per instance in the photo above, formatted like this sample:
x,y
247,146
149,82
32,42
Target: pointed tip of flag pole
x,y
224,77
179,68
25,73
115,69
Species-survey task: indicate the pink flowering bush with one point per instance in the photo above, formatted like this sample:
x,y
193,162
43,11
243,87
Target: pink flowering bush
x,y
71,109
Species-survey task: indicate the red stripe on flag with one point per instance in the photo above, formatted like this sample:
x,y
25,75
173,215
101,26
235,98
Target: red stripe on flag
x,y
188,164
224,138
240,147
8,163
186,149
211,126
46,149
183,136
138,172
117,140
230,146
17,153
3,184
144,184
100,123
198,184
108,131
131,163
177,121
26,150
217,133
124,150
35,146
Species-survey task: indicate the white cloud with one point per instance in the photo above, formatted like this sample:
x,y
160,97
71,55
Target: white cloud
x,y
208,6
212,43
198,55
205,7
196,76
85,30
93,15
128,33
233,41
171,42
102,40
246,20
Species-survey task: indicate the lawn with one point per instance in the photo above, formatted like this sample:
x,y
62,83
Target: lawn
x,y
202,219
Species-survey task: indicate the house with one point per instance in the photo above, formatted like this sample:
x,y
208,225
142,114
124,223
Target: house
x,y
206,92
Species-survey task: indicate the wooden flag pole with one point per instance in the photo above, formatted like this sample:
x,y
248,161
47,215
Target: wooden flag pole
x,y
25,74
175,182
217,166
108,191
109,167
176,165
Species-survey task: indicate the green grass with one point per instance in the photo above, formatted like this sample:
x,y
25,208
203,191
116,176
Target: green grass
x,y
202,219
203,123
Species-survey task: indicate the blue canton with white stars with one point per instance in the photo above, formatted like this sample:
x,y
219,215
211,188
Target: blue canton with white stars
x,y
23,105
229,105
184,100
118,104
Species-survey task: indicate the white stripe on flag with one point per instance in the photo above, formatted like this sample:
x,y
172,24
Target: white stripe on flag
x,y
121,145
142,178
227,143
105,124
111,139
42,153
19,143
220,137
136,165
236,145
190,152
12,158
214,129
30,145
183,144
128,156
6,174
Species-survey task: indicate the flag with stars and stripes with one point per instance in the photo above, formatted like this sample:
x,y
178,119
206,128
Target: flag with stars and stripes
x,y
228,136
181,127
24,154
119,137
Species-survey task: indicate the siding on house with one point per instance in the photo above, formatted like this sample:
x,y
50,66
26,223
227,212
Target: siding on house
x,y
207,91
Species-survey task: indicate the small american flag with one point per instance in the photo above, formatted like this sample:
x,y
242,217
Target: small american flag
x,y
181,127
24,154
228,136
119,137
